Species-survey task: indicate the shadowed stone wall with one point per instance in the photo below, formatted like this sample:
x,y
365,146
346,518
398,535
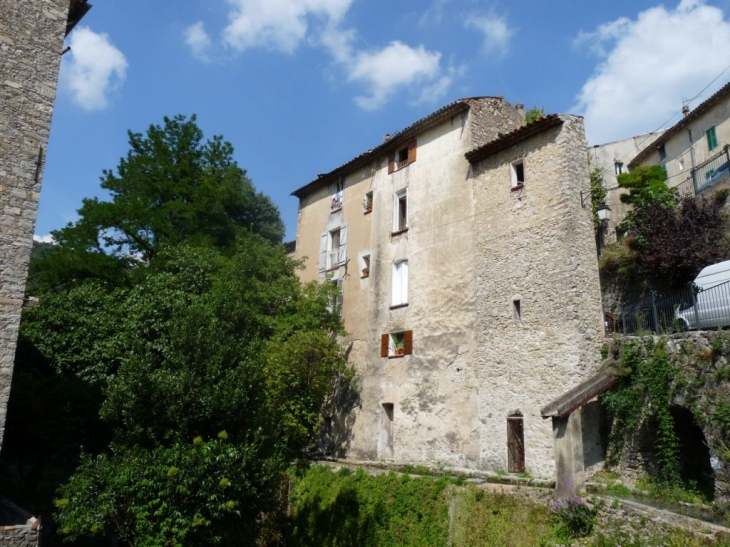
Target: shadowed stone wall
x,y
31,40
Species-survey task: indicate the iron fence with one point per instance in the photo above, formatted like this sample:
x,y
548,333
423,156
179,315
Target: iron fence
x,y
689,308
712,171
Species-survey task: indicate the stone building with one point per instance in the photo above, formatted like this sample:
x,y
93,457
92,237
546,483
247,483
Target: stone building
x,y
469,284
31,42
695,152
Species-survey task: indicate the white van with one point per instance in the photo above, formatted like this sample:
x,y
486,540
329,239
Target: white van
x,y
712,299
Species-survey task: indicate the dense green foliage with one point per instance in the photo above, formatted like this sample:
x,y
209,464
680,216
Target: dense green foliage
x,y
534,113
182,351
598,195
668,239
171,188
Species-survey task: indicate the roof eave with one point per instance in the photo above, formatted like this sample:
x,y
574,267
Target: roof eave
x,y
513,137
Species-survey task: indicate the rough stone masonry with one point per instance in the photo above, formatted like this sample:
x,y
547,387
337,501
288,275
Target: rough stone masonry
x,y
31,41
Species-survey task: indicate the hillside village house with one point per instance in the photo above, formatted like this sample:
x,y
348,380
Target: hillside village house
x,y
695,151
469,282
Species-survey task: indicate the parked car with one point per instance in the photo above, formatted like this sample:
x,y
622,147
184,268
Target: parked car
x,y
711,306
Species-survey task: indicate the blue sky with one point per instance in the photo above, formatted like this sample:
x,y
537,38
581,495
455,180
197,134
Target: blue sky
x,y
302,86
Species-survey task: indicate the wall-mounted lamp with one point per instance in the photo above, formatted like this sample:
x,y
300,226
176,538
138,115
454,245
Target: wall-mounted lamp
x,y
603,211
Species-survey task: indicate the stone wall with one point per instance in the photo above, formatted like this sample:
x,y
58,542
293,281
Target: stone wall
x,y
539,325
31,40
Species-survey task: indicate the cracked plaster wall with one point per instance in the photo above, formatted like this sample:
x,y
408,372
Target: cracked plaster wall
x,y
31,38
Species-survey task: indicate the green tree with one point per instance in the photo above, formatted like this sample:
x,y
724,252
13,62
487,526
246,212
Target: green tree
x,y
647,186
172,187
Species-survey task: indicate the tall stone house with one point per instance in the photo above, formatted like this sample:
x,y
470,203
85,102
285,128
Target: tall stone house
x,y
469,281
31,42
695,152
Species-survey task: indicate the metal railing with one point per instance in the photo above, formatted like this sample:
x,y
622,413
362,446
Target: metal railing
x,y
712,171
690,308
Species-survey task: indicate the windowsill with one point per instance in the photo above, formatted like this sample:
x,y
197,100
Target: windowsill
x,y
399,232
335,210
516,187
367,211
396,306
398,167
364,276
333,268
396,356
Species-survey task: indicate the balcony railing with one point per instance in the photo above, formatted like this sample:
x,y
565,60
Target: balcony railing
x,y
712,171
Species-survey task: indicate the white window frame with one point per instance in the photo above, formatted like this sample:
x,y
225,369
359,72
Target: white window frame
x,y
400,195
618,167
399,284
328,261
514,172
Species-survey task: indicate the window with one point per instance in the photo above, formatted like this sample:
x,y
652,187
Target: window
x,y
681,165
396,344
662,152
365,266
516,310
367,202
711,138
399,289
400,211
333,249
517,171
398,159
338,189
619,167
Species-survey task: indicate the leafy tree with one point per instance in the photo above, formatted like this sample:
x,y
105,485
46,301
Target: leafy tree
x,y
172,187
647,186
598,195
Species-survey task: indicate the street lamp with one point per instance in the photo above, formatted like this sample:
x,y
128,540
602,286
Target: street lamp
x,y
604,212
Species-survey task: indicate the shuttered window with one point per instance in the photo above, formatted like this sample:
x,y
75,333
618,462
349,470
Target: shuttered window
x,y
333,249
398,159
711,138
396,344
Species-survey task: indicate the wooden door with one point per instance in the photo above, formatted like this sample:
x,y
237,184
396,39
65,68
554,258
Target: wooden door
x,y
515,445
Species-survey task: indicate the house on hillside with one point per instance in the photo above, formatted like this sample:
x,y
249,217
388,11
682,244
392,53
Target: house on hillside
x,y
695,152
469,281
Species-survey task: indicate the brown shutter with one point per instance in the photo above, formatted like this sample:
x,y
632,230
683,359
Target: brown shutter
x,y
384,344
408,342
391,162
412,151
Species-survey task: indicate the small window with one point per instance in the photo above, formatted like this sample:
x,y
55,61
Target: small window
x,y
517,170
662,152
398,159
365,266
400,211
681,165
399,288
516,310
711,138
367,202
619,167
396,344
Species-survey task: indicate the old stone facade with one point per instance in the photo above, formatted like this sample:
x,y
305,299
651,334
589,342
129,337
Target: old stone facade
x,y
470,299
31,40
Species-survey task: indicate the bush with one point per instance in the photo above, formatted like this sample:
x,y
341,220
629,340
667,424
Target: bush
x,y
573,517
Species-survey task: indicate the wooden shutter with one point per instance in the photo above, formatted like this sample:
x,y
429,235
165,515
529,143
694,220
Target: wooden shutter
x,y
412,151
391,162
384,344
408,342
323,252
342,257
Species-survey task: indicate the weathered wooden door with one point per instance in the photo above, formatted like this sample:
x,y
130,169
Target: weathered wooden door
x,y
515,445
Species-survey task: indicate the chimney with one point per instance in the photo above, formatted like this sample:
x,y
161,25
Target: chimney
x,y
386,138
521,110
685,109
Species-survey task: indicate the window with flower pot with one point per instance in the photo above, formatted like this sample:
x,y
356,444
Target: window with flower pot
x,y
367,203
402,157
399,284
365,267
396,344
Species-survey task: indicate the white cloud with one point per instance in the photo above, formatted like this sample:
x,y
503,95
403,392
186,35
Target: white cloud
x,y
497,33
390,68
44,239
93,68
649,65
434,14
278,24
198,41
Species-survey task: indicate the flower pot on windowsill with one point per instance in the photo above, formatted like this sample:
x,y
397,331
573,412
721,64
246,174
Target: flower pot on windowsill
x,y
367,210
365,272
399,351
